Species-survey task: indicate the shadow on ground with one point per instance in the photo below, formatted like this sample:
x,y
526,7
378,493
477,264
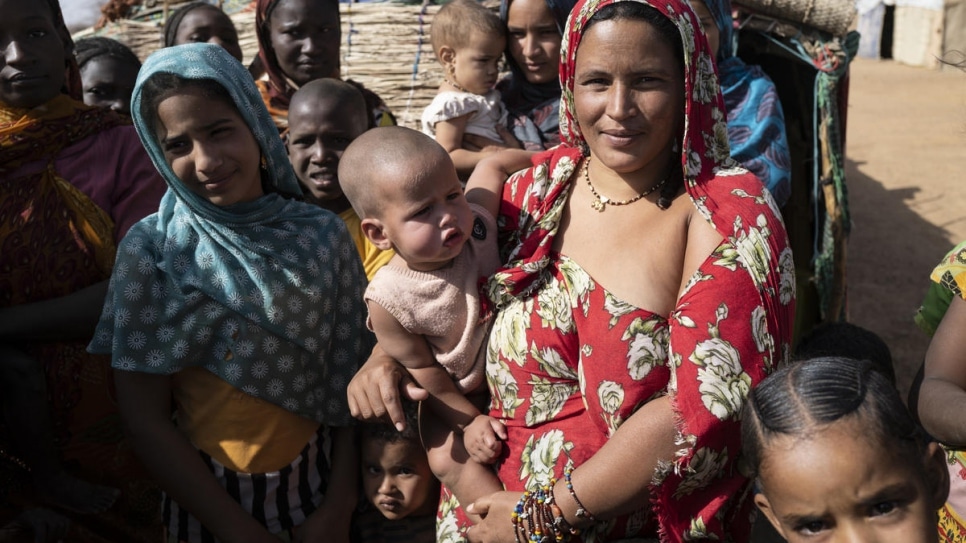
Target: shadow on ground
x,y
892,250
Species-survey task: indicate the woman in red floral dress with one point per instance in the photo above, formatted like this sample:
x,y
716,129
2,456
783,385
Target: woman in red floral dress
x,y
648,287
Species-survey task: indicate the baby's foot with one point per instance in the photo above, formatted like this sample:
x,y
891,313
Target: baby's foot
x,y
75,494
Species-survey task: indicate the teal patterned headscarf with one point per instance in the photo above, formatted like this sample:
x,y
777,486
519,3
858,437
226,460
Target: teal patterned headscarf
x,y
208,61
266,294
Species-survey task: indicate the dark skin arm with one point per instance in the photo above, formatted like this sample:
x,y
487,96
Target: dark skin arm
x,y
69,317
330,522
145,405
450,135
613,482
942,398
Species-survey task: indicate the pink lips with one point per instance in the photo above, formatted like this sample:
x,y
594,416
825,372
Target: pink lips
x,y
219,185
619,138
454,238
390,505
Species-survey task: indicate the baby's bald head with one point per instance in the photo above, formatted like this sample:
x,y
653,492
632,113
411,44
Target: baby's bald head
x,y
384,159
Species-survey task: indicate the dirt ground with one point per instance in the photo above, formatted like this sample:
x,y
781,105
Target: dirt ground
x,y
906,167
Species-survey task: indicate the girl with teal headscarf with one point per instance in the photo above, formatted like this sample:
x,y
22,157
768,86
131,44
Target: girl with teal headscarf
x,y
241,304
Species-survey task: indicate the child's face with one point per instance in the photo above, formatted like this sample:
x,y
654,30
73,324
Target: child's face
x,y
426,222
209,24
210,148
109,82
319,132
476,66
396,478
836,485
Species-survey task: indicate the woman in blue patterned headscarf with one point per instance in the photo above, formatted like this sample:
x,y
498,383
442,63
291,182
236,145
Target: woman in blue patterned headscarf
x,y
756,124
244,306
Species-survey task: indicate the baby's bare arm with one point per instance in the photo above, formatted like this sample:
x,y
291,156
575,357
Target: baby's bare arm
x,y
485,186
450,134
412,351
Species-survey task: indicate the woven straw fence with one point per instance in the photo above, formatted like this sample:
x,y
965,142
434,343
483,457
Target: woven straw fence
x,y
385,46
832,16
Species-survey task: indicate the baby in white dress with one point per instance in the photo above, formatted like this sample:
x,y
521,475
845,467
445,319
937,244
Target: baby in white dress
x,y
468,40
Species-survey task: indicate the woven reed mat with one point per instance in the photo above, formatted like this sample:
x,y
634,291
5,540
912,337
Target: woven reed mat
x,y
832,16
385,46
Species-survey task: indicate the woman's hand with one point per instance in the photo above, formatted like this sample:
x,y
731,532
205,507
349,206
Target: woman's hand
x,y
483,439
374,392
495,526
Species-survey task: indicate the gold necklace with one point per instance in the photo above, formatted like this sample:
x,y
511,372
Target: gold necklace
x,y
600,202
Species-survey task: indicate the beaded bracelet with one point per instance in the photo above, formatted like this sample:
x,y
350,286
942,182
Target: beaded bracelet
x,y
537,518
582,511
559,521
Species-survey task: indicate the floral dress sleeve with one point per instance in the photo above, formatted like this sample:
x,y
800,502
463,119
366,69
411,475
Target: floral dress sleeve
x,y
948,282
731,328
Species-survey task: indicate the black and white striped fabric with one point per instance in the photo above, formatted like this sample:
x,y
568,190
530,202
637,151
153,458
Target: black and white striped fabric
x,y
279,500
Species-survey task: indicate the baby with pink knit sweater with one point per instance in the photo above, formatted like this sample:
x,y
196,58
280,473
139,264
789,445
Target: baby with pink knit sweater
x,y
424,305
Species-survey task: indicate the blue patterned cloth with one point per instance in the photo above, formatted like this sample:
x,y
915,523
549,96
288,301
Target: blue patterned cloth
x,y
756,124
267,294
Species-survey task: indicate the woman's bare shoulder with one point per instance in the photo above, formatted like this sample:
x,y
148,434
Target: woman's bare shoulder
x,y
702,240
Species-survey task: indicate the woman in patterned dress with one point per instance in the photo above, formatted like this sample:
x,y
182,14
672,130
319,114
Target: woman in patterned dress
x,y
942,394
647,288
242,304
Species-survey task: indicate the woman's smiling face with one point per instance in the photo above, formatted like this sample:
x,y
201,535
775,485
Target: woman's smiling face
x,y
33,65
628,94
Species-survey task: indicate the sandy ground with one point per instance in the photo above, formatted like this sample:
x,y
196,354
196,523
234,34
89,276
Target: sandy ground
x,y
906,164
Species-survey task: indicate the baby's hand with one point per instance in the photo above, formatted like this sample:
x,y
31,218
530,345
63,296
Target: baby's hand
x,y
482,439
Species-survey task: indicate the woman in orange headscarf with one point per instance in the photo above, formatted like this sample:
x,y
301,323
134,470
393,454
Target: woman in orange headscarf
x,y
73,179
